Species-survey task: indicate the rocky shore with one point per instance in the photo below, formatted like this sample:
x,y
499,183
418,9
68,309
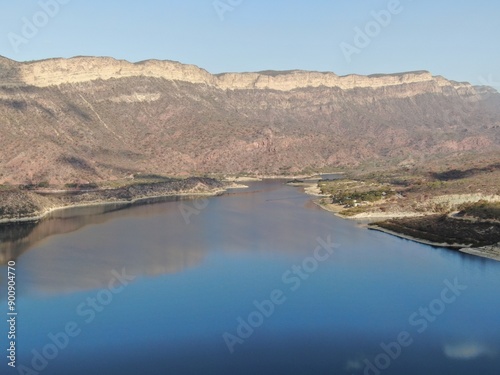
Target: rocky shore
x,y
22,205
445,230
467,222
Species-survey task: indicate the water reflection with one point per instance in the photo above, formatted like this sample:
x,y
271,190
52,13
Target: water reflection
x,y
78,249
17,238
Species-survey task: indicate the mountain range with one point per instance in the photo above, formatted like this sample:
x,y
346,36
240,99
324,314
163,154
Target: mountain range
x,y
89,119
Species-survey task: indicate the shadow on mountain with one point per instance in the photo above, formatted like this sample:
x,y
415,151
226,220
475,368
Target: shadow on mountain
x,y
456,174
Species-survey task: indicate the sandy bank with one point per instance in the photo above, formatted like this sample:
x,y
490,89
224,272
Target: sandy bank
x,y
490,252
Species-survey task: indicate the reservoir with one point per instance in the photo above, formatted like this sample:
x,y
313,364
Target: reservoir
x,y
256,281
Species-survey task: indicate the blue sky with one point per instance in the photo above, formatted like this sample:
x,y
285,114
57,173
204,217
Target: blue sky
x,y
457,39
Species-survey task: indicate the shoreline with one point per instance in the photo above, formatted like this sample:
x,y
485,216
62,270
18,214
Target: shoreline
x,y
375,227
138,200
307,178
230,184
368,221
488,252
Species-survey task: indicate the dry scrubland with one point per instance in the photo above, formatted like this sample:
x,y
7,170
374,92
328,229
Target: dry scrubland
x,y
456,207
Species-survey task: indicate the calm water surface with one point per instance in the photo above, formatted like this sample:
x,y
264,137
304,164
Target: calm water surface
x,y
193,273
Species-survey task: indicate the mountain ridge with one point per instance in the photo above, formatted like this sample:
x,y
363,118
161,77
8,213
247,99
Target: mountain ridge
x,y
95,119
80,69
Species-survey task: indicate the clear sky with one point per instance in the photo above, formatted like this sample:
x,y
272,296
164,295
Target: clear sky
x,y
458,39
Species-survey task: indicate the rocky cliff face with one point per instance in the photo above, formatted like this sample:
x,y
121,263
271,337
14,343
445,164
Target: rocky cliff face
x,y
54,72
88,119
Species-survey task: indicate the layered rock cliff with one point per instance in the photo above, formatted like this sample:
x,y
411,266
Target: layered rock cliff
x,y
89,119
54,72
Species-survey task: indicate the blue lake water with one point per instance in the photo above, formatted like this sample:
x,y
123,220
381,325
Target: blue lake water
x,y
258,281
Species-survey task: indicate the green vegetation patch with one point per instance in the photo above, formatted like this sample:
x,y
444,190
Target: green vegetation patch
x,y
351,198
352,193
89,186
149,177
353,211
